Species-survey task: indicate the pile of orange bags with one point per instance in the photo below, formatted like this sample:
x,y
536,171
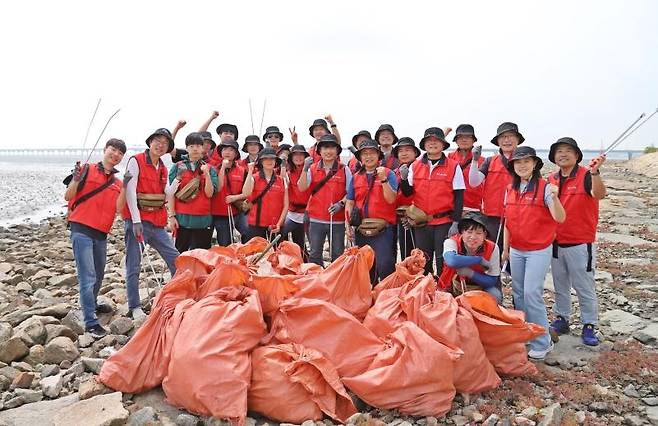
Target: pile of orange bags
x,y
206,340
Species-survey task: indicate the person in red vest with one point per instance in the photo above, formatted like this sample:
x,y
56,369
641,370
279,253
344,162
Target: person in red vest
x,y
318,129
385,137
494,177
230,181
532,212
267,193
354,164
145,214
471,259
192,223
372,191
465,138
328,181
406,153
252,146
94,197
574,252
297,200
437,185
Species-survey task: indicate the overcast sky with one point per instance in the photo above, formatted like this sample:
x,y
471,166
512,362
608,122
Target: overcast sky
x,y
584,69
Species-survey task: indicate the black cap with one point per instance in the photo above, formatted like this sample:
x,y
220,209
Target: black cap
x,y
524,152
369,144
434,132
384,127
470,217
272,130
283,147
162,132
405,141
252,139
361,133
299,148
194,138
466,130
231,143
207,136
225,127
319,122
507,127
566,141
267,153
328,140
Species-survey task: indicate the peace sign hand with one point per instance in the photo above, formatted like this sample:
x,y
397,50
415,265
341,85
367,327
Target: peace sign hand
x,y
293,135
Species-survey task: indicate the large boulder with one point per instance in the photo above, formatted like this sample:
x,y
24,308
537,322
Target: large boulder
x,y
59,349
13,349
101,410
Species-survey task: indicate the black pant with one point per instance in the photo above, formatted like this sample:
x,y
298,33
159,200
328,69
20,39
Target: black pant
x,y
430,240
493,225
296,230
188,239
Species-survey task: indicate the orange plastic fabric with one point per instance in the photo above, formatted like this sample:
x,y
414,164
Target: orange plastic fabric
x,y
291,383
287,260
412,374
143,362
503,333
438,314
325,327
405,271
345,283
224,275
210,369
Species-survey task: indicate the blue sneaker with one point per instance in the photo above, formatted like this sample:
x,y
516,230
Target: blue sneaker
x,y
589,335
560,326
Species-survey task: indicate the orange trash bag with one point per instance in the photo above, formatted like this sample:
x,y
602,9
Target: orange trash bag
x,y
503,333
291,383
224,275
287,260
345,282
143,362
210,368
325,327
412,374
410,268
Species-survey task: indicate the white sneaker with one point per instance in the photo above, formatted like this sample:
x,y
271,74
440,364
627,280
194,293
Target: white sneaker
x,y
540,355
138,315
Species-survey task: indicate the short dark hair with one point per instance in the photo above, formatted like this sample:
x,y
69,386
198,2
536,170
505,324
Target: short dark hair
x,y
467,225
116,143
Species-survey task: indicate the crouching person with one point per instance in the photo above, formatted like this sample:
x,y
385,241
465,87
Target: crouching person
x,y
371,209
94,196
471,261
192,184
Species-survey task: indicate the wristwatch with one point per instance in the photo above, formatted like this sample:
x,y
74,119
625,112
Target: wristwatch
x,y
384,181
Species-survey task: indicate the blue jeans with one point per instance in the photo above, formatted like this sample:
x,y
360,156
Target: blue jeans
x,y
384,247
318,232
90,256
529,269
221,225
157,238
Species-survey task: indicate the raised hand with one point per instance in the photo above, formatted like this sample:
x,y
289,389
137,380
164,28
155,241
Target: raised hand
x,y
404,172
381,173
181,124
205,169
77,172
308,162
127,177
293,135
477,153
597,162
329,119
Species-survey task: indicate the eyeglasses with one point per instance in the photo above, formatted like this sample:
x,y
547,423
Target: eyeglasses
x,y
272,136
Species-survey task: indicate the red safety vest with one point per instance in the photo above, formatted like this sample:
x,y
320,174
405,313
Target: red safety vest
x,y
495,183
244,163
582,209
354,165
433,193
98,211
150,181
472,195
233,182
331,192
297,200
313,152
528,220
199,205
487,249
390,162
378,207
213,159
402,200
268,210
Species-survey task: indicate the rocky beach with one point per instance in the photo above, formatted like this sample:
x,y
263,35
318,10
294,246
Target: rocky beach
x,y
48,363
